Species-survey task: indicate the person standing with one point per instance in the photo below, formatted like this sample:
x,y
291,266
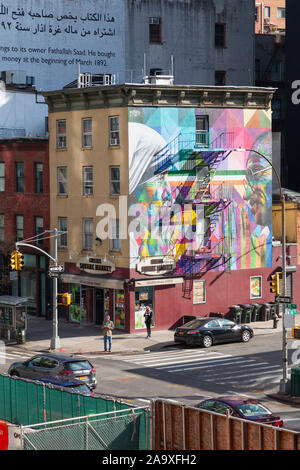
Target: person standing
x,y
107,328
148,319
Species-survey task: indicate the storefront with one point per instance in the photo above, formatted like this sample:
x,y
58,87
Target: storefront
x,y
144,296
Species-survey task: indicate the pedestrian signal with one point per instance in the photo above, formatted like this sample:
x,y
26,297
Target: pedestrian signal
x,y
64,299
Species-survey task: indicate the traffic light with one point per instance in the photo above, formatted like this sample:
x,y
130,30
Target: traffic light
x,y
64,299
16,260
275,284
296,332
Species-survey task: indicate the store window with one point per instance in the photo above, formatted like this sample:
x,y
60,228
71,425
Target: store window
x,y
143,297
119,309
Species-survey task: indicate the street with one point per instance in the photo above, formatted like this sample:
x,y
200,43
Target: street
x,y
189,375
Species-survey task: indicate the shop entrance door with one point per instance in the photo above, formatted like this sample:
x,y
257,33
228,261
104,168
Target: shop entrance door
x,y
99,306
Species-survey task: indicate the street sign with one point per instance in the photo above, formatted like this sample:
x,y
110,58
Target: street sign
x,y
291,309
56,269
283,299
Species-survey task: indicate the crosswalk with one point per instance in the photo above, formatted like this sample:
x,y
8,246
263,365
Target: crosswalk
x,y
9,354
212,367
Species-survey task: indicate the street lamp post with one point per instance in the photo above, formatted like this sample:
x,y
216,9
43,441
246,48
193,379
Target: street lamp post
x,y
283,383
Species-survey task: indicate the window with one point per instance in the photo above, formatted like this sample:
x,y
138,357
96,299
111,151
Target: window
x,y
61,134
213,324
115,241
281,13
220,33
20,177
38,172
39,229
2,233
202,131
115,180
225,322
276,108
277,71
19,228
207,405
155,30
62,180
87,132
88,233
222,408
114,131
88,180
63,227
267,12
199,292
2,177
220,78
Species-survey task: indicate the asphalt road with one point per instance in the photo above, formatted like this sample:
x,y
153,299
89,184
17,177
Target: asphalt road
x,y
189,375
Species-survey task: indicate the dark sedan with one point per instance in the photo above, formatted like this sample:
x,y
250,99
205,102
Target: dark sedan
x,y
45,365
242,407
208,331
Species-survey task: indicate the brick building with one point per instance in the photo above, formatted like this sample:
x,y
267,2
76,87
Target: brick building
x,y
270,16
24,202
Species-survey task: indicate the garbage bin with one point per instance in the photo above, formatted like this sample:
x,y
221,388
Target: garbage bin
x,y
235,313
247,312
295,381
265,312
256,312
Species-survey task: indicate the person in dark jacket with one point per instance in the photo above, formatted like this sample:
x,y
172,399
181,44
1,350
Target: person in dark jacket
x,y
148,319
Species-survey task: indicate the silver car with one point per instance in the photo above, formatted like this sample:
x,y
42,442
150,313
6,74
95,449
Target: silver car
x,y
43,365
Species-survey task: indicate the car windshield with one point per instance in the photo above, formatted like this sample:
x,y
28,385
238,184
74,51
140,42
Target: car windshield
x,y
253,409
194,323
77,365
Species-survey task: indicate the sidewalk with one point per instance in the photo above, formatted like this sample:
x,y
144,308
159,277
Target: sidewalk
x,y
89,339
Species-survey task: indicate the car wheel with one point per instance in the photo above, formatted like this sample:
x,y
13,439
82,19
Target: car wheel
x,y
207,341
14,374
246,336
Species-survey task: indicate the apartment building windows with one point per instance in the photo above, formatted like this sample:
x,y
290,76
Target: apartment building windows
x,y
20,177
88,180
88,233
202,132
38,176
220,78
39,229
155,36
267,12
115,189
2,228
61,133
19,228
87,133
62,181
2,177
220,35
281,13
63,227
114,130
115,241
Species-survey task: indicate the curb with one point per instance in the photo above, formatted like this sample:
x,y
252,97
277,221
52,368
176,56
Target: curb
x,y
285,398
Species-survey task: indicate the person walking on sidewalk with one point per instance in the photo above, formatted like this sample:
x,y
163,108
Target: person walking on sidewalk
x,y
107,328
148,319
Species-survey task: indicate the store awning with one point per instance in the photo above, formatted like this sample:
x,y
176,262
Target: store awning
x,y
93,281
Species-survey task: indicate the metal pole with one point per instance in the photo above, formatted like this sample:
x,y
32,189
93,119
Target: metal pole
x,y
55,341
283,384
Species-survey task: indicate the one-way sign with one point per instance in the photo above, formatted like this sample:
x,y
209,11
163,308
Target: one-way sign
x,y
284,299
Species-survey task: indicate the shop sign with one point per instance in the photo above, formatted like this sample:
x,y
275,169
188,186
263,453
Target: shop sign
x,y
96,265
160,282
156,266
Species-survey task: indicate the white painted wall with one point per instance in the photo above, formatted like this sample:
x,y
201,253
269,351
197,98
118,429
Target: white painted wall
x,y
188,29
20,115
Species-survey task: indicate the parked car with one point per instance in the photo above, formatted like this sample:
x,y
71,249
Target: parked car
x,y
52,365
208,331
66,384
242,407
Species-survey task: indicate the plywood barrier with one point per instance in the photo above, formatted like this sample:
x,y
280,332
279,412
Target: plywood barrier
x,y
179,427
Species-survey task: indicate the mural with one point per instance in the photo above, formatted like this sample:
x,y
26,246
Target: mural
x,y
193,195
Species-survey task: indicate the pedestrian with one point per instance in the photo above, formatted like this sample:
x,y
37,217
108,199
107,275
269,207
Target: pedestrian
x,y
148,319
107,328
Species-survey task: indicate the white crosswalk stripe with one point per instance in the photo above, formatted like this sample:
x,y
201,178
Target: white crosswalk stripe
x,y
209,366
7,354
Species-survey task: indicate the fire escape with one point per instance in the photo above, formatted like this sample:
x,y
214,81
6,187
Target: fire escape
x,y
201,156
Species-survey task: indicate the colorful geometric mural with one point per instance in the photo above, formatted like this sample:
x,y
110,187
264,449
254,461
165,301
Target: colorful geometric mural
x,y
194,195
